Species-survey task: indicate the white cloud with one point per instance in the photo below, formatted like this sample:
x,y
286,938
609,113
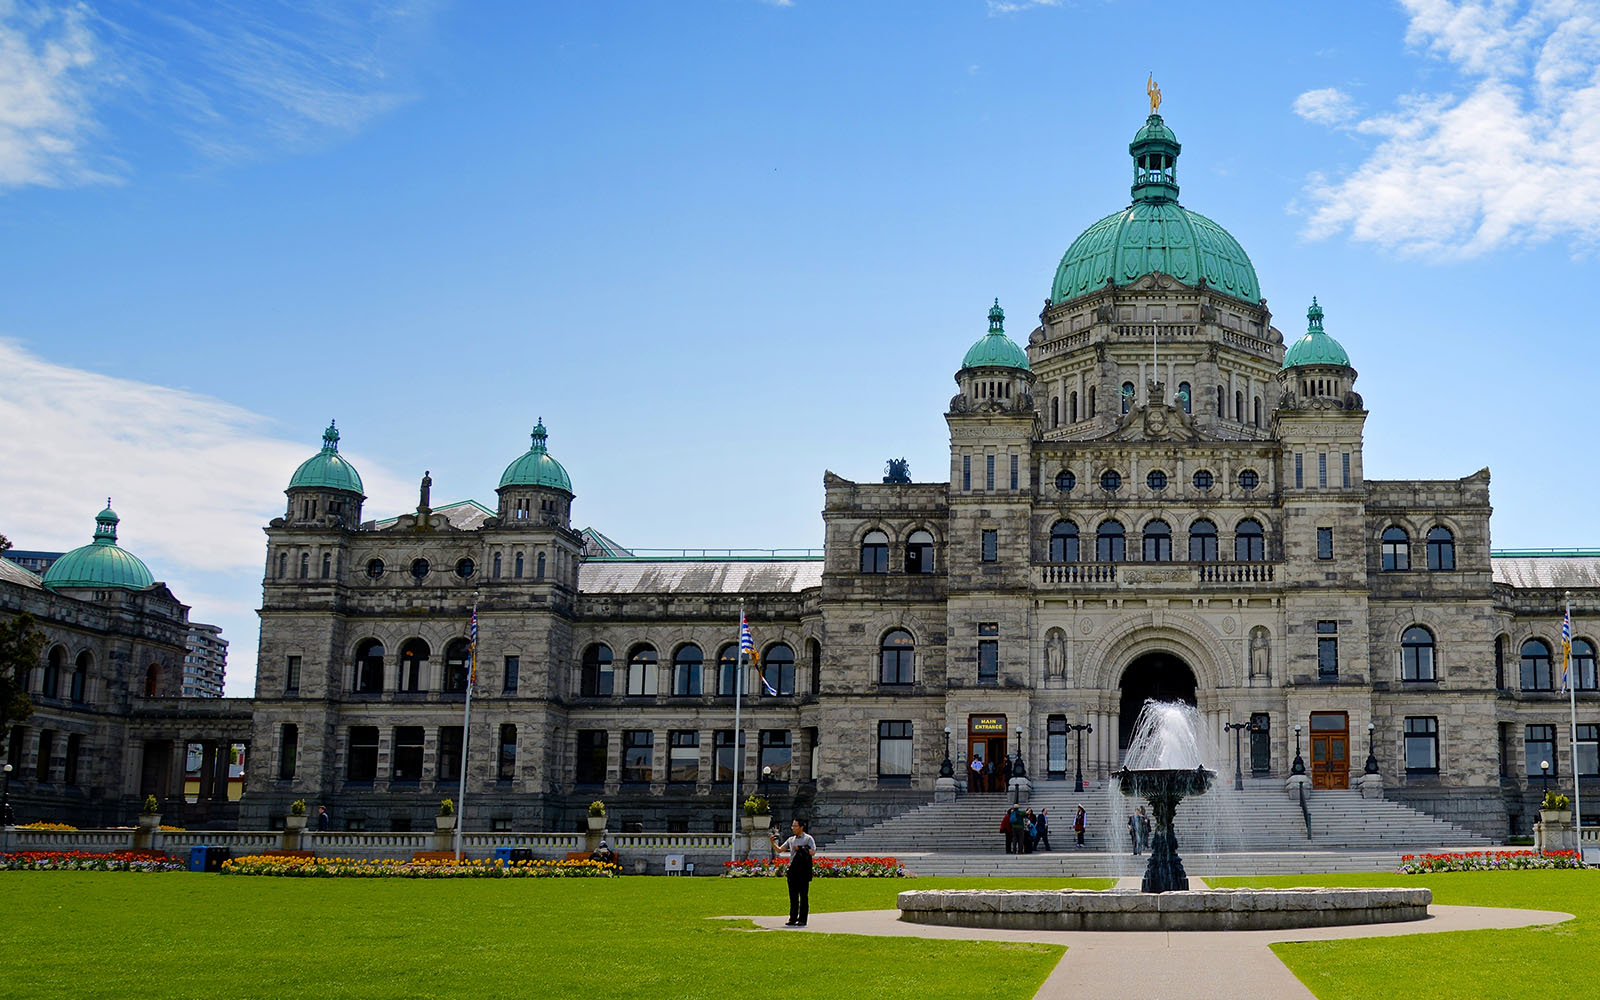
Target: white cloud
x,y
193,478
47,58
1328,106
997,7
1504,162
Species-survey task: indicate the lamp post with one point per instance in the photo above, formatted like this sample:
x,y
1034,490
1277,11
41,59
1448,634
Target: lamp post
x,y
1019,770
1080,729
1372,758
947,769
1544,766
6,819
1236,728
1299,766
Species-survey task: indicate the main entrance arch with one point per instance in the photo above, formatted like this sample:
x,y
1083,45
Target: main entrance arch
x,y
1158,675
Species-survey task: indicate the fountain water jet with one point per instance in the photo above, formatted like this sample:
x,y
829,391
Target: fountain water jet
x,y
1163,766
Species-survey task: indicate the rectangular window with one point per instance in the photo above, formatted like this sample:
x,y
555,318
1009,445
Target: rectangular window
x,y
1422,745
966,472
591,760
726,757
988,628
513,670
638,754
1056,748
1324,543
991,545
728,671
74,748
988,662
1299,471
1346,458
291,675
683,757
1327,651
449,755
988,476
1539,747
288,751
506,764
1589,751
775,754
362,763
407,753
1013,472
1322,470
894,749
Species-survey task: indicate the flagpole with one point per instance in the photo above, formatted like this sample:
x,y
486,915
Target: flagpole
x,y
1572,734
738,750
466,727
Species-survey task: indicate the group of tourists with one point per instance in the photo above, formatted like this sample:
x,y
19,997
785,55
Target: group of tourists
x,y
987,776
1025,831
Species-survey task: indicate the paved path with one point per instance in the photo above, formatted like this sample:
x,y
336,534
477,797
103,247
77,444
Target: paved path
x,y
1199,965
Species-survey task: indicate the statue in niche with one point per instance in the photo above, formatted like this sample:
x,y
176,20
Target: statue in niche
x,y
1260,653
1055,655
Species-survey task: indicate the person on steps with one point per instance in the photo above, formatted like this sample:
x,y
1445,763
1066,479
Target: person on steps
x,y
1078,823
1133,831
1043,825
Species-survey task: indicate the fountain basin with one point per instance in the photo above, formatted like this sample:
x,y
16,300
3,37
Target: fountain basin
x,y
1197,910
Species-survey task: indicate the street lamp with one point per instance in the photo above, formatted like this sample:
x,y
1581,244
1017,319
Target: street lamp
x,y
1372,758
1299,766
1544,766
1236,728
947,769
1019,770
6,819
1080,729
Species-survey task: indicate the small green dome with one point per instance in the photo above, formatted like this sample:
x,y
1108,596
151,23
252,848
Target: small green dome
x,y
1316,347
327,469
995,349
535,467
101,563
1155,233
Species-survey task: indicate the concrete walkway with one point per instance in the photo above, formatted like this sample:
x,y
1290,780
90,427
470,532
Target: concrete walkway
x,y
1201,965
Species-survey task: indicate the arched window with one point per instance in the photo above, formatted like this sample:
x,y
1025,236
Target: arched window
x,y
516,572
50,687
777,670
686,664
1238,406
327,565
1441,548
368,677
1222,405
1127,396
414,655
1110,542
642,671
1073,407
895,657
152,680
1249,544
1203,541
1157,542
80,676
538,568
1536,666
596,679
497,565
1064,542
1184,399
1092,409
728,671
305,565
1055,411
1416,655
1583,665
457,665
875,552
1258,411
1396,549
814,654
919,552
283,565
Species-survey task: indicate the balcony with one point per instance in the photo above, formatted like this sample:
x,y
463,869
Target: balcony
x,y
1116,575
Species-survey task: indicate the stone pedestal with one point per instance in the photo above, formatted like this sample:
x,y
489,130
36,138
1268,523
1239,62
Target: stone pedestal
x,y
444,833
293,827
144,834
1020,790
1293,786
1555,831
944,790
1370,785
597,830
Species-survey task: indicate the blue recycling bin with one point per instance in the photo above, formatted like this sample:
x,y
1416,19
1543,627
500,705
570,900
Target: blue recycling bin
x,y
503,855
506,855
198,857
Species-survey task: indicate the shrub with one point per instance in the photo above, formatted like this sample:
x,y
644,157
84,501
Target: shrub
x,y
151,806
46,825
597,808
1556,802
755,805
820,868
85,861
447,807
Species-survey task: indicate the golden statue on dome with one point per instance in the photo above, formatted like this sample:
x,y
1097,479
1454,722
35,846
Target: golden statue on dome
x,y
1154,90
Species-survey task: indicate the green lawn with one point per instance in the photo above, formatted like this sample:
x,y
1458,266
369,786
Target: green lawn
x,y
1536,962
93,934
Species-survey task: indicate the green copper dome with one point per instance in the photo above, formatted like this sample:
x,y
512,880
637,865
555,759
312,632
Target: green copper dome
x,y
1155,233
327,469
101,563
995,349
535,467
1316,347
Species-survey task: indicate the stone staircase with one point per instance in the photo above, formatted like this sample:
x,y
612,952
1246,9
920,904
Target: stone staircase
x,y
1258,818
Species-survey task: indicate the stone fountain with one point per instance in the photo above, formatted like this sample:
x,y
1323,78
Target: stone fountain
x,y
1164,788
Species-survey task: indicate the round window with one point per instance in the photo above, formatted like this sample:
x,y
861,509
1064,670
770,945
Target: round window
x,y
1202,480
375,568
1156,481
464,568
419,568
1065,481
1110,481
1249,479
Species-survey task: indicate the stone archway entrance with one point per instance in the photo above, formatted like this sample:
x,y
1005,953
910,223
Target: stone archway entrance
x,y
1161,676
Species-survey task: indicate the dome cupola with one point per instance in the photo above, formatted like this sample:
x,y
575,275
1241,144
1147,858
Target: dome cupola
x,y
101,563
994,372
327,469
1316,347
1316,371
995,349
535,491
535,467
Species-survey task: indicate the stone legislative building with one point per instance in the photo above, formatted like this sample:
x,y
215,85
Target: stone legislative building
x,y
1159,494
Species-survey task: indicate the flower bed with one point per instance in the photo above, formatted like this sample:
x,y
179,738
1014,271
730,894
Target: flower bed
x,y
83,861
820,868
1487,861
293,867
46,825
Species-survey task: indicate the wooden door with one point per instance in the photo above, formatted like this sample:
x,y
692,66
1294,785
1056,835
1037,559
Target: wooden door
x,y
1330,750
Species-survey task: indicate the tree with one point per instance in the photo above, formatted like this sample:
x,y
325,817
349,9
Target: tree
x,y
5,543
20,646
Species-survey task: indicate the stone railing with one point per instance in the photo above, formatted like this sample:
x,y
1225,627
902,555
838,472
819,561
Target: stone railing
x,y
1163,331
1188,574
1078,574
93,841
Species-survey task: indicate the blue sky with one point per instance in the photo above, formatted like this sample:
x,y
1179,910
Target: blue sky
x,y
722,246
